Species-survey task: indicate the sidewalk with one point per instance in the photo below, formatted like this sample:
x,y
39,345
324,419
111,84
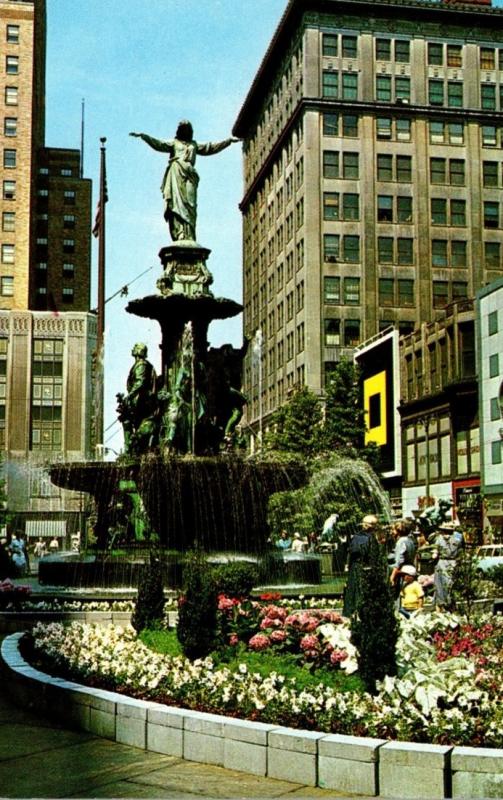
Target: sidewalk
x,y
39,758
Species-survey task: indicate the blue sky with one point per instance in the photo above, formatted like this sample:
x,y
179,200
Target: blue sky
x,y
143,66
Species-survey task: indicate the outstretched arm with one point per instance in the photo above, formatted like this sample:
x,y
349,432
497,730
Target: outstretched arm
x,y
155,144
210,148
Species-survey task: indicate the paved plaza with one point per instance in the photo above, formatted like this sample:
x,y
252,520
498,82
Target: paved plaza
x,y
40,758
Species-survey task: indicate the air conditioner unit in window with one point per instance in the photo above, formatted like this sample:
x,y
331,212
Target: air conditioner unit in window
x,y
402,101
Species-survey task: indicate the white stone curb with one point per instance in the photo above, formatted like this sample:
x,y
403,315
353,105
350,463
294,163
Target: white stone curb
x,y
343,763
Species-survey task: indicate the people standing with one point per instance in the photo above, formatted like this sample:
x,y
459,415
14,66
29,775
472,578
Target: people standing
x,y
298,544
447,545
411,593
405,551
53,545
17,554
284,542
39,549
358,559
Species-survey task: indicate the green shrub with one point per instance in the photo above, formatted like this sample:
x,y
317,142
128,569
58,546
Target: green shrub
x,y
374,628
495,574
235,579
197,608
149,607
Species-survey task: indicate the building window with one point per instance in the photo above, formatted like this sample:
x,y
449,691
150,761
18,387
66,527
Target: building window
x,y
489,138
438,211
457,172
47,394
331,290
459,290
349,46
12,36
403,129
440,294
456,132
491,214
494,409
405,251
496,448
332,332
492,323
386,292
437,131
329,44
67,294
7,286
10,126
402,89
351,332
383,127
351,248
68,221
9,159
404,169
384,208
458,212
439,252
11,96
9,190
402,51
66,172
454,94
383,88
349,86
352,291
404,209
331,243
12,65
8,254
350,126
384,168
350,206
435,92
435,54
458,253
350,165
330,86
330,164
69,197
68,245
330,124
492,257
454,55
383,49
9,221
385,249
494,368
487,60
406,293
490,173
437,170
488,96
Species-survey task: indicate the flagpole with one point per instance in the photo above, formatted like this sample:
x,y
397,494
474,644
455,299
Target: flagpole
x,y
101,248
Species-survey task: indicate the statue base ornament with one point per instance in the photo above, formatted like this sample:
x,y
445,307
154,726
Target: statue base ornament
x,y
184,269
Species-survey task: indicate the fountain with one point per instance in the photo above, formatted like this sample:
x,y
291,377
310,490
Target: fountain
x,y
181,481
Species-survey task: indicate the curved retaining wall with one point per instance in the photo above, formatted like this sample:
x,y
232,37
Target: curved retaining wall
x,y
345,763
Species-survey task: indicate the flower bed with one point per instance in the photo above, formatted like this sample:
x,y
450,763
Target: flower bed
x,y
436,698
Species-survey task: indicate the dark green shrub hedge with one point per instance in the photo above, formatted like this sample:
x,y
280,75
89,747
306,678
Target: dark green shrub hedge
x,y
149,607
235,579
197,608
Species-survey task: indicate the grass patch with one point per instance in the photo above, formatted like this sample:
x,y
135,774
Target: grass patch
x,y
263,663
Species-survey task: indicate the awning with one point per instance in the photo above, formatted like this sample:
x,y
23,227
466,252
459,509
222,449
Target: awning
x,y
46,527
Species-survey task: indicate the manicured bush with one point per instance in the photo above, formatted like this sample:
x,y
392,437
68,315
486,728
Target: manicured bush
x,y
235,579
374,628
197,608
149,608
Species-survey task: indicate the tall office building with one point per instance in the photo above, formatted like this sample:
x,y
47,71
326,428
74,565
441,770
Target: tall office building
x,y
47,335
373,172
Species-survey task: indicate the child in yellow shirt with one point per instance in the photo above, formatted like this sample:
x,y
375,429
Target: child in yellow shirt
x,y
411,594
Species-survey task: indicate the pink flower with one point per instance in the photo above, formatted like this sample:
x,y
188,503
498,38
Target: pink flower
x,y
309,643
259,642
267,622
278,636
225,603
331,616
274,612
337,656
233,639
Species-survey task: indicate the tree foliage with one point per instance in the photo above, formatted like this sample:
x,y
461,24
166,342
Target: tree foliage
x,y
149,608
295,427
197,608
374,627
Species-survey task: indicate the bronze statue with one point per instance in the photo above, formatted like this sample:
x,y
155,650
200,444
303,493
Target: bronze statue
x,y
138,408
179,185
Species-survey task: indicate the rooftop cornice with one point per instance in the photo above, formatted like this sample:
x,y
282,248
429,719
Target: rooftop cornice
x,y
296,8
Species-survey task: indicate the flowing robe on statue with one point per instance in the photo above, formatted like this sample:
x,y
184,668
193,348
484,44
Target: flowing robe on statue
x,y
180,181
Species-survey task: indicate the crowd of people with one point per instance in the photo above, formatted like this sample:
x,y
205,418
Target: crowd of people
x,y
15,554
409,555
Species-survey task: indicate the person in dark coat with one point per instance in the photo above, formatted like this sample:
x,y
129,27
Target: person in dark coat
x,y
358,558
